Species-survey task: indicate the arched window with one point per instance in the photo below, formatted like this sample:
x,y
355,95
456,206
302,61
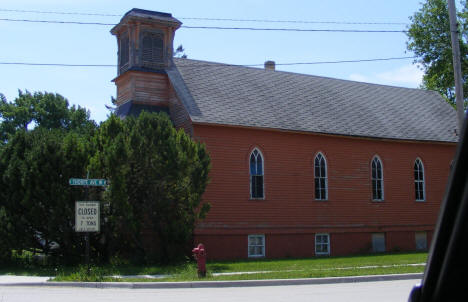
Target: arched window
x,y
419,188
377,179
320,174
256,174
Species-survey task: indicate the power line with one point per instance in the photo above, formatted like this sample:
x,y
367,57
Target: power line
x,y
56,22
210,19
296,29
57,64
212,65
216,27
57,13
345,61
292,21
297,63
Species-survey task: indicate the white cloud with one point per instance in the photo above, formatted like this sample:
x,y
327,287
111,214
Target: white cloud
x,y
358,77
406,76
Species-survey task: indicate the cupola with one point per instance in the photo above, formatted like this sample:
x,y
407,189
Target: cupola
x,y
145,40
145,50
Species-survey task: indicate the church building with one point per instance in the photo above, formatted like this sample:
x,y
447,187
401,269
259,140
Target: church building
x,y
302,165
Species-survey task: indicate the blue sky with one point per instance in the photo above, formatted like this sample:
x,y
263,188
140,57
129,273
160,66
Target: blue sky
x,y
92,88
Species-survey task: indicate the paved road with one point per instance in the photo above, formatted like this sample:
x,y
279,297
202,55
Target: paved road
x,y
364,291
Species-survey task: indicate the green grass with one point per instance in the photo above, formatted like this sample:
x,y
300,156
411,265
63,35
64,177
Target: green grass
x,y
305,268
318,263
276,269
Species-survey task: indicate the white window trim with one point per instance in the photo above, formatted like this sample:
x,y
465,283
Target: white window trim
x,y
248,245
263,171
423,180
326,177
328,243
382,180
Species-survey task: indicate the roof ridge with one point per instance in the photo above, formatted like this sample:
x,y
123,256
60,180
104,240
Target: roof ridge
x,y
302,74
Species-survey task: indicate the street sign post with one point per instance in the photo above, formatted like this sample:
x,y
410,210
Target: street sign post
x,y
87,213
87,216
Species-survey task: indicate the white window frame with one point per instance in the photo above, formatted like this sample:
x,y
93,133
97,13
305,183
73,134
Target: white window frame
x,y
423,181
263,175
376,158
321,177
321,243
262,236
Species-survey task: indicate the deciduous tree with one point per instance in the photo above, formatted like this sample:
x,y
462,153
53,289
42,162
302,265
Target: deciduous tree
x,y
429,38
41,109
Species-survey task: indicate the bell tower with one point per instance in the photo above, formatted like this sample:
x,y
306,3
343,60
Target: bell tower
x,y
145,49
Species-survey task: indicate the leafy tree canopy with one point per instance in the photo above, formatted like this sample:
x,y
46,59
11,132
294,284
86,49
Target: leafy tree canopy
x,y
429,39
38,109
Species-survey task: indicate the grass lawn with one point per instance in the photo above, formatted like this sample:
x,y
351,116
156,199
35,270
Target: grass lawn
x,y
249,269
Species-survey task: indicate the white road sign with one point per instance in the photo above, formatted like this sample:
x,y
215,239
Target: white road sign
x,y
87,216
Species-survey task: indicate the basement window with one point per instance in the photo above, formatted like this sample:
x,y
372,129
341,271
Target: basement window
x,y
322,244
421,241
256,246
378,242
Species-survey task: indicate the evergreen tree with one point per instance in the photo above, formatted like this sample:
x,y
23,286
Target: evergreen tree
x,y
157,177
36,197
44,142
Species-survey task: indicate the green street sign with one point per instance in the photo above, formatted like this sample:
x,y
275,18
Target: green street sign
x,y
87,182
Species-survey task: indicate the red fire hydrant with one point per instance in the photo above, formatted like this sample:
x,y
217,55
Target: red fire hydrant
x,y
199,254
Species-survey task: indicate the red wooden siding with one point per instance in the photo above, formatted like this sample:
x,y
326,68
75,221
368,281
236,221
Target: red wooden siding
x,y
289,216
142,87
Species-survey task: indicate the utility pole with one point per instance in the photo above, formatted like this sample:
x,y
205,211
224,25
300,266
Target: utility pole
x,y
456,63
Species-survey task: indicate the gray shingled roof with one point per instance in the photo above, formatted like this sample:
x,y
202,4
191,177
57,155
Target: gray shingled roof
x,y
243,96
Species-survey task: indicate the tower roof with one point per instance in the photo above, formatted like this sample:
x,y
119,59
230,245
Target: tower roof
x,y
147,16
